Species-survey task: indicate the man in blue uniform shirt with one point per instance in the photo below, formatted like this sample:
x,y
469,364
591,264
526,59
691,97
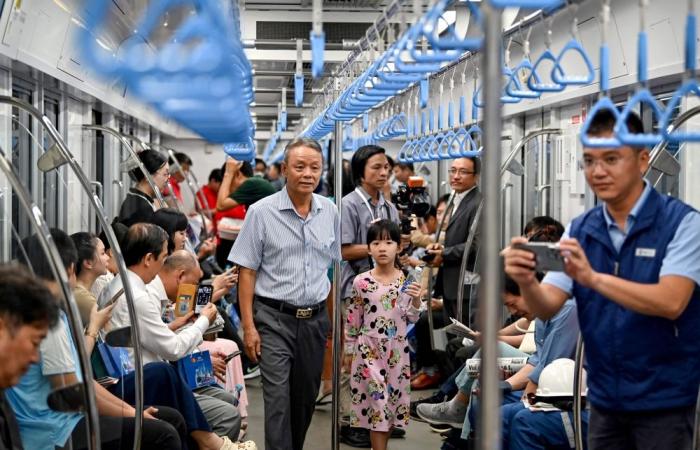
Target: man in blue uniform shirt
x,y
633,264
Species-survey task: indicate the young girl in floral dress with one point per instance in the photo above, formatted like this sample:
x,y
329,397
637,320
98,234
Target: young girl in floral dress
x,y
376,348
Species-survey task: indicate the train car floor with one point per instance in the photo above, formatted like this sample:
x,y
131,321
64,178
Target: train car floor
x,y
418,435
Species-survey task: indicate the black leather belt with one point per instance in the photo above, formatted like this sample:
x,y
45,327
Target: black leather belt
x,y
303,312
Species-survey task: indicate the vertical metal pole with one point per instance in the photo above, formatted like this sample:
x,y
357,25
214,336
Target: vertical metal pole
x,y
490,420
578,380
337,293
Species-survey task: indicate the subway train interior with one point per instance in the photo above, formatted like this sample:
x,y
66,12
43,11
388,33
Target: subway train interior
x,y
334,224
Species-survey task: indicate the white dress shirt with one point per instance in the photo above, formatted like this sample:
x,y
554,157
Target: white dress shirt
x,y
158,342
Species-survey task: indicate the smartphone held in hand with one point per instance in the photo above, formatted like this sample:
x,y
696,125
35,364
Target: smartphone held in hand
x,y
548,257
203,297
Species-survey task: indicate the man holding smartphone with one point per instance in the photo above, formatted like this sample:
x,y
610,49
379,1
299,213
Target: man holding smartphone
x,y
633,265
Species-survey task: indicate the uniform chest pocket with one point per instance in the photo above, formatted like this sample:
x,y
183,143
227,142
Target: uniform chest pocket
x,y
321,239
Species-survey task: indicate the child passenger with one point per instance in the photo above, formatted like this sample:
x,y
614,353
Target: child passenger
x,y
376,348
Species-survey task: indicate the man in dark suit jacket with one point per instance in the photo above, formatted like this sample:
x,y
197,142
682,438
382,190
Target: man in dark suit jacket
x,y
464,175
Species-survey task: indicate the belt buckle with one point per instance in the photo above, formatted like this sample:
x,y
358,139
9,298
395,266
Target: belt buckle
x,y
304,313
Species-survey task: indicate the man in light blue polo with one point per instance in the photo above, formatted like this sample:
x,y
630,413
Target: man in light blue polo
x,y
633,265
284,249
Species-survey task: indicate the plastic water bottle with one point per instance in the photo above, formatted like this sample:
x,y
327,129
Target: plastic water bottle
x,y
414,276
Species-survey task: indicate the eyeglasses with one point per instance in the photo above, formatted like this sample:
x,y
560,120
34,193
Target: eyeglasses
x,y
607,162
461,172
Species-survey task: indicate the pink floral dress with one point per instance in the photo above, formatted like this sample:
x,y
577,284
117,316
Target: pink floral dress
x,y
381,372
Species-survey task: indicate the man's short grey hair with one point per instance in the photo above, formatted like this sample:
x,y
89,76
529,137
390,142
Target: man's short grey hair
x,y
301,142
180,260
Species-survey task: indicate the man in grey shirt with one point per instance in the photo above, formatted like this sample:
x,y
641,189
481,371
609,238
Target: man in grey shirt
x,y
284,249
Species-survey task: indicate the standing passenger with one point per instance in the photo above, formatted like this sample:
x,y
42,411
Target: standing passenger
x,y
284,249
633,264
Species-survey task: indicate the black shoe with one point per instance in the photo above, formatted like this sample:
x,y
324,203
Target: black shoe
x,y
355,437
397,433
437,397
454,441
252,371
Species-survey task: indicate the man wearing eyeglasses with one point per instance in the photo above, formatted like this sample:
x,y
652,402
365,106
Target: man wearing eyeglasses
x,y
633,264
464,176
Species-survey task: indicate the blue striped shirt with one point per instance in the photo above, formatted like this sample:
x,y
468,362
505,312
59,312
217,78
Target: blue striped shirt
x,y
290,254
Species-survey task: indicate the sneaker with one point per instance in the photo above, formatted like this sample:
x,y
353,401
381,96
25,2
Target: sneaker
x,y
324,399
250,372
437,397
441,413
440,428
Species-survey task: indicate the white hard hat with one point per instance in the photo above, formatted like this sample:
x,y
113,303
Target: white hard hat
x,y
557,379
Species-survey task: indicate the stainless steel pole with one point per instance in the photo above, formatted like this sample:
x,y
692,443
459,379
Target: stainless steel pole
x,y
578,381
490,421
337,293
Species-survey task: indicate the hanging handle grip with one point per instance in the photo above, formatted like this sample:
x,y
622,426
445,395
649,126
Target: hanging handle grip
x,y
638,139
533,81
513,86
558,75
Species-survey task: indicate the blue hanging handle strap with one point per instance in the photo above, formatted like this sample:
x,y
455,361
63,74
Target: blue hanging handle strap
x,y
691,37
451,115
449,39
431,120
424,91
318,39
528,4
690,86
603,103
535,83
365,122
642,96
462,109
558,75
574,45
642,55
299,76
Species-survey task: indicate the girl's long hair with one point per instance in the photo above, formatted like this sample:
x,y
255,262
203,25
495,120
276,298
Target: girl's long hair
x,y
385,230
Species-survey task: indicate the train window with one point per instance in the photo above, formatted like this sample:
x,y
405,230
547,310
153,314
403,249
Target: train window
x,y
53,189
22,151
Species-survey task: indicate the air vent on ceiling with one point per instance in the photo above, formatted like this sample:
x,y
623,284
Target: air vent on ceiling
x,y
335,31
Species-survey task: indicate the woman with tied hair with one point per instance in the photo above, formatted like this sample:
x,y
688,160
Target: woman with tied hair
x,y
103,280
91,264
139,204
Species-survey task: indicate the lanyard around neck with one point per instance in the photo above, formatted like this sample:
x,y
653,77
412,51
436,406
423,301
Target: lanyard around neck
x,y
366,202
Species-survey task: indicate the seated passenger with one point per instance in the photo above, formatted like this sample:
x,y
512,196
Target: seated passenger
x,y
27,311
92,263
139,204
554,338
119,230
145,249
42,428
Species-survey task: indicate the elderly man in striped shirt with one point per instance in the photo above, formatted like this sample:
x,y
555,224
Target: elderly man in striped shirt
x,y
284,249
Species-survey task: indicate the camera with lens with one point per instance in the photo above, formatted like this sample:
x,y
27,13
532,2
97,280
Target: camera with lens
x,y
411,200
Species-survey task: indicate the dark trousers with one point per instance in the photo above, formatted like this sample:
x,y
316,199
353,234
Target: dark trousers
x,y
425,357
644,430
117,433
291,363
163,386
